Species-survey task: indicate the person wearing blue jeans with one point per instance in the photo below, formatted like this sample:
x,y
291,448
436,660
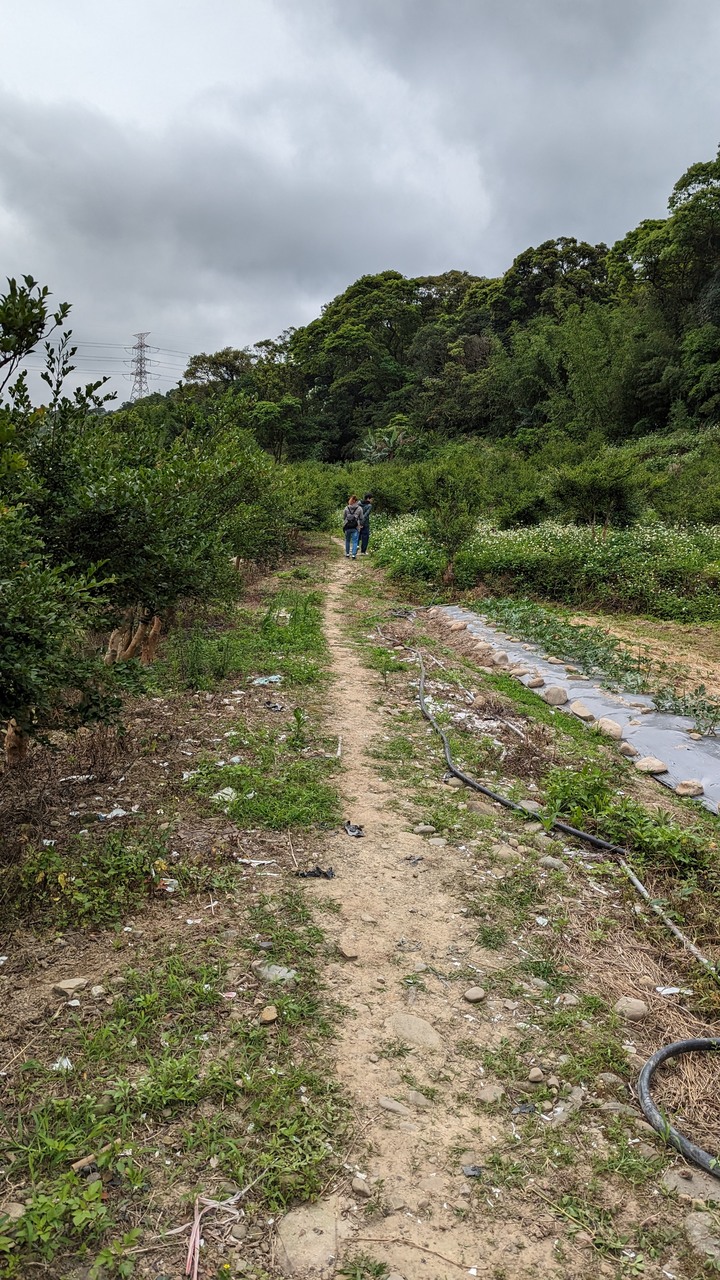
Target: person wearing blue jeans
x,y
353,521
366,504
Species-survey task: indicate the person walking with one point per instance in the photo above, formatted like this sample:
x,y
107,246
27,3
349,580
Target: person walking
x,y
366,504
353,520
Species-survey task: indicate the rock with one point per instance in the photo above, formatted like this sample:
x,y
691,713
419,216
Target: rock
x,y
609,727
537,682
417,1099
483,807
13,1210
556,662
238,1231
98,992
458,626
414,1031
582,712
536,1075
366,919
68,986
474,995
553,1082
396,1201
362,1188
552,864
700,1185
347,949
567,1107
268,1015
490,1093
423,829
650,764
701,1231
568,1000
608,1082
555,696
690,788
438,842
696,737
452,781
627,749
396,1108
308,1239
500,659
631,1009
530,806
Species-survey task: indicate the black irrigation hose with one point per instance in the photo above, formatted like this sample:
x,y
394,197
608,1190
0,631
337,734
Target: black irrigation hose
x,y
659,1122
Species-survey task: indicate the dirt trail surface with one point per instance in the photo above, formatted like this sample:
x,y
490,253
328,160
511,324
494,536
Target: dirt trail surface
x,y
399,919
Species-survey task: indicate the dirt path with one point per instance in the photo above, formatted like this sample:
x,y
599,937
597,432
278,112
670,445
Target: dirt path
x,y
403,924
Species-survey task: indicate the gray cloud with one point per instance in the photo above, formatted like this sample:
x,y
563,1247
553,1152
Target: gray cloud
x,y
275,155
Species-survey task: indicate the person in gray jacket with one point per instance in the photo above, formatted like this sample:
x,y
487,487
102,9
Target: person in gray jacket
x,y
353,520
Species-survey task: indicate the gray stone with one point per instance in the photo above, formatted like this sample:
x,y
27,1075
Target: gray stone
x,y
568,1000
552,864
536,1075
309,1238
701,1230
555,696
271,973
347,948
610,728
395,1107
631,1009
417,1099
98,992
690,788
423,829
414,1031
13,1210
582,712
530,806
627,749
438,842
490,1093
396,1201
567,1107
361,1187
238,1231
608,1082
699,1185
452,781
68,986
474,995
500,659
537,682
650,764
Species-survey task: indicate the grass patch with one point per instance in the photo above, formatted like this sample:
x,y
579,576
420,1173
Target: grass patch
x,y
287,640
165,1088
278,783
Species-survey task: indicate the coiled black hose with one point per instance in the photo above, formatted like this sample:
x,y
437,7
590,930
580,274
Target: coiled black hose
x,y
655,1117
709,1163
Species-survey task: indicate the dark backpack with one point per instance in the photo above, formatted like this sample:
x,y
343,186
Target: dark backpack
x,y
352,521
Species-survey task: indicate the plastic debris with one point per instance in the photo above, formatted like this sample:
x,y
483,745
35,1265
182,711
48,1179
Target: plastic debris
x,y
79,777
114,813
275,706
525,1109
542,921
674,991
48,844
225,796
353,829
168,885
256,862
413,859
262,680
317,873
473,1170
62,1064
274,972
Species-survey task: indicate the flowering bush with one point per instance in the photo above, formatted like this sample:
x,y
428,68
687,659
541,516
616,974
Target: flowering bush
x,y
663,570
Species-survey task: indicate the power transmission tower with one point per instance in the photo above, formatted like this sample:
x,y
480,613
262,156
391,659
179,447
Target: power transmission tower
x,y
139,366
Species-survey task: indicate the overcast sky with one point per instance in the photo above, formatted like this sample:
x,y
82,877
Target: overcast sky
x,y
214,170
